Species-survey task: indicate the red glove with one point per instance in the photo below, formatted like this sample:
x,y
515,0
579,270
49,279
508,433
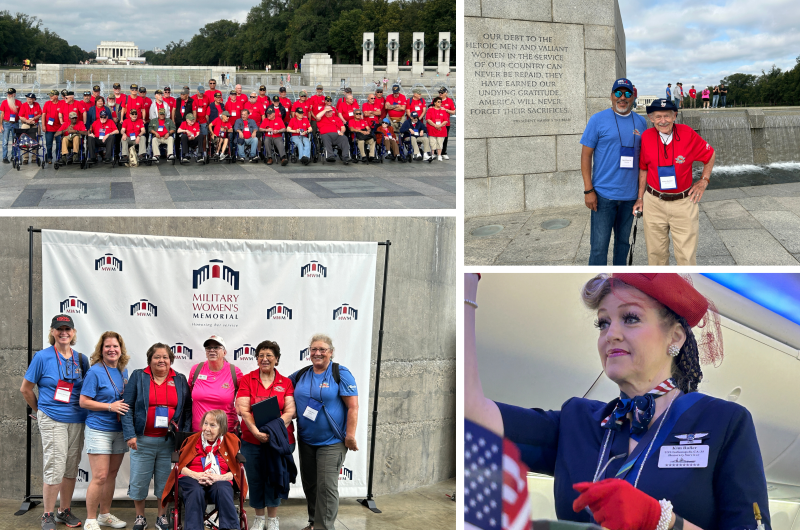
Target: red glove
x,y
617,505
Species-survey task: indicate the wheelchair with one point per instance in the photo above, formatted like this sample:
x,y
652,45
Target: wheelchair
x,y
114,156
407,148
25,144
149,156
58,162
195,153
294,152
208,518
229,155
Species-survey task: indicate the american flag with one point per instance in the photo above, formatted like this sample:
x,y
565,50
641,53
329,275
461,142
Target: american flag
x,y
495,482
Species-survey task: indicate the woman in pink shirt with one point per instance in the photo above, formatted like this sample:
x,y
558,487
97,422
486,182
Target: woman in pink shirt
x,y
706,94
214,384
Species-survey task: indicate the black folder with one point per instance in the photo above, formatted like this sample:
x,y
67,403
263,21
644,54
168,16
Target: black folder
x,y
266,411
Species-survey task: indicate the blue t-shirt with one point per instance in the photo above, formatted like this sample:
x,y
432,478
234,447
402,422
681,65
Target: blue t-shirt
x,y
322,387
45,371
606,133
98,387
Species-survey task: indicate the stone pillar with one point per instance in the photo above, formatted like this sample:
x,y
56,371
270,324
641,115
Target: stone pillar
x,y
417,53
393,55
522,146
369,53
443,46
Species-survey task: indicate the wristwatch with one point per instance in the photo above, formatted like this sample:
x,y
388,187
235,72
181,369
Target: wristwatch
x,y
588,192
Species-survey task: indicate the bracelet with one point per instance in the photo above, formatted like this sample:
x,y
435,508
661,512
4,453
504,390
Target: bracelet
x,y
470,302
588,192
678,523
109,407
666,515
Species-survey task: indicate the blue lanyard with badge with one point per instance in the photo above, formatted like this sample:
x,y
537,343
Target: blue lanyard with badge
x,y
626,154
63,387
666,174
116,390
162,411
315,405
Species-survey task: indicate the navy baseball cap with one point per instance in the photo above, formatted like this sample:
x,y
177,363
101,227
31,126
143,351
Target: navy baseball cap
x,y
661,104
622,83
104,114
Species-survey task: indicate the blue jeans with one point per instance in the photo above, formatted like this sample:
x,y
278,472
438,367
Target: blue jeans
x,y
48,141
611,215
303,145
722,101
8,136
253,143
715,101
262,494
152,458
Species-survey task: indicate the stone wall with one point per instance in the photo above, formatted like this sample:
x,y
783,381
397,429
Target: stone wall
x,y
51,74
416,421
535,71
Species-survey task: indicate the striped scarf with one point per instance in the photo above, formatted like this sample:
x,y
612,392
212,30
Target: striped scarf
x,y
642,407
210,460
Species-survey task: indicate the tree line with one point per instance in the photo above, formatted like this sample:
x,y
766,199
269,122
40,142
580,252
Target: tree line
x,y
773,88
280,32
22,37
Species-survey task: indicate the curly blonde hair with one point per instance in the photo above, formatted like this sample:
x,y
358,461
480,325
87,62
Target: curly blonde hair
x,y
97,356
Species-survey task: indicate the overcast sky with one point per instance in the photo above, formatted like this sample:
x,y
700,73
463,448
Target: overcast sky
x,y
700,42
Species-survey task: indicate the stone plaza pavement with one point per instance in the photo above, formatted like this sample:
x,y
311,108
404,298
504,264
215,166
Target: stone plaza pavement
x,y
756,225
222,185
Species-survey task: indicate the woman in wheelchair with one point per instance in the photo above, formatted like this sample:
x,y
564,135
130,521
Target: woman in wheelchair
x,y
208,469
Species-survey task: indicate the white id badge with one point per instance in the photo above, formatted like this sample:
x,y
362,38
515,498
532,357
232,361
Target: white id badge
x,y
202,377
49,121
668,182
680,456
233,113
311,414
12,118
626,162
247,129
160,128
200,110
161,420
133,136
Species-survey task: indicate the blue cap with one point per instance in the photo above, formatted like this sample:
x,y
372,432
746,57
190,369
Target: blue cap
x,y
661,104
622,83
414,114
386,121
104,114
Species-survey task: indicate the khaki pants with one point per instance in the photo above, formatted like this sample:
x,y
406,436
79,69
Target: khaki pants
x,y
62,445
371,143
76,144
391,145
426,145
437,142
167,140
682,219
127,143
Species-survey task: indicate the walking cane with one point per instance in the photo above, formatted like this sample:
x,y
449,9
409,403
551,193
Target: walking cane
x,y
635,226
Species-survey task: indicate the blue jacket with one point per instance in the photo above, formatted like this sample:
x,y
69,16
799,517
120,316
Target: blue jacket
x,y
137,397
407,126
278,464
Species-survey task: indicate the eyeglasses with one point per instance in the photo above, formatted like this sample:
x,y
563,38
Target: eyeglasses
x,y
619,93
262,89
214,348
267,356
212,82
253,97
319,350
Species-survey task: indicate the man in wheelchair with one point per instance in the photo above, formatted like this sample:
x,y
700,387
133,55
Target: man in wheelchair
x,y
101,137
207,470
71,134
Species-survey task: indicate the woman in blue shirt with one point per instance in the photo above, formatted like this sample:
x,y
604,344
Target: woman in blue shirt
x,y
59,372
662,456
327,414
102,395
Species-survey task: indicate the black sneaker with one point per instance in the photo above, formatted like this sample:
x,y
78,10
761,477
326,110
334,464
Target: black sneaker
x,y
346,161
162,523
67,518
140,523
48,521
6,161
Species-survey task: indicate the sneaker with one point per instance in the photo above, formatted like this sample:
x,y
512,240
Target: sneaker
x,y
157,159
162,522
91,524
272,523
140,523
48,521
254,160
440,158
67,518
258,523
75,159
223,156
304,160
171,157
346,161
427,156
446,157
184,159
109,520
6,161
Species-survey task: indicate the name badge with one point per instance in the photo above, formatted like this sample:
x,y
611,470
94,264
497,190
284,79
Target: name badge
x,y
12,118
666,176
626,155
200,110
161,420
160,128
233,113
247,129
680,456
133,136
30,116
312,409
50,121
202,377
63,391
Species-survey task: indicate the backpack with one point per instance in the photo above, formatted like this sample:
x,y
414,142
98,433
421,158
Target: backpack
x,y
199,369
299,374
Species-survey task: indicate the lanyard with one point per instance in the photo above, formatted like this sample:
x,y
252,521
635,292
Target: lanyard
x,y
311,381
666,155
72,362
155,392
620,135
119,394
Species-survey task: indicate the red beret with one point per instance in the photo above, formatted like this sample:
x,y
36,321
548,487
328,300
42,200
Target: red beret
x,y
671,290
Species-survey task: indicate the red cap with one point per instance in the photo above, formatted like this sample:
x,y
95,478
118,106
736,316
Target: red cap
x,y
671,290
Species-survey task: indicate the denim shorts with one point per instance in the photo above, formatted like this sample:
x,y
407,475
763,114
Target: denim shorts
x,y
104,442
152,459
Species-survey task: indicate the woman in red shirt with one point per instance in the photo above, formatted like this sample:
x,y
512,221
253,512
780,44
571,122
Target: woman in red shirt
x,y
437,120
259,385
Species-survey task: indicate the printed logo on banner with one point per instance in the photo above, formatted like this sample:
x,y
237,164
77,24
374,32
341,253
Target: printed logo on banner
x,y
108,263
73,304
218,302
144,308
245,353
345,474
215,269
279,312
83,475
305,354
313,269
345,312
181,351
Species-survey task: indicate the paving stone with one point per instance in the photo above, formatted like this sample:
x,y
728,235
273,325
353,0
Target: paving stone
x,y
756,247
784,226
728,215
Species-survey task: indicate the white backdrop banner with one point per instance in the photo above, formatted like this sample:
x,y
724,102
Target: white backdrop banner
x,y
180,291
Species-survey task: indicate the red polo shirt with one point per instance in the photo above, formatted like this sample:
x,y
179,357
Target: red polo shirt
x,y
200,108
399,99
51,114
296,125
164,131
250,386
194,128
132,127
65,108
416,105
135,103
29,112
218,124
686,147
346,109
235,108
435,115
274,124
163,395
382,103
108,126
328,125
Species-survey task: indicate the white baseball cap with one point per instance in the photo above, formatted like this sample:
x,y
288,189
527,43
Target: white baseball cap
x,y
216,338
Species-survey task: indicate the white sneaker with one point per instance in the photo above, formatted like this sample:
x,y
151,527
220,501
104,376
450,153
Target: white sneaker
x,y
90,524
440,158
272,523
111,520
258,523
426,156
446,157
